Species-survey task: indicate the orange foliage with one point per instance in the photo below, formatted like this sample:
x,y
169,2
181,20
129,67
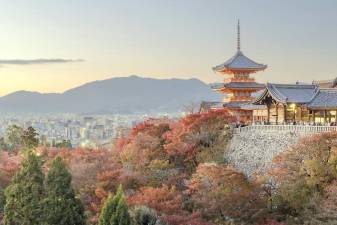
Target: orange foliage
x,y
9,165
164,199
219,191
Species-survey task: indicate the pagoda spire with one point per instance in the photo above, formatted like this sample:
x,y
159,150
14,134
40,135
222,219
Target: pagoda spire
x,y
238,38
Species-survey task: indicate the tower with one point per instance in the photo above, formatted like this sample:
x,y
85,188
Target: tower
x,y
238,85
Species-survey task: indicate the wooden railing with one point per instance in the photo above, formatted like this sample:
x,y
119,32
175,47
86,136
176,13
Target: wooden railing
x,y
287,128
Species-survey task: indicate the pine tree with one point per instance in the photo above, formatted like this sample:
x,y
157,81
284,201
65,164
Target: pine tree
x,y
25,195
107,211
61,205
115,210
145,216
30,138
121,216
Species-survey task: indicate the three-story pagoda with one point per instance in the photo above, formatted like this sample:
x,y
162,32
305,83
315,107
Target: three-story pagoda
x,y
238,85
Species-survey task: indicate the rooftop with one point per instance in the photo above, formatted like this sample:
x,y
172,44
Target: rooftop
x,y
289,93
240,62
238,85
325,98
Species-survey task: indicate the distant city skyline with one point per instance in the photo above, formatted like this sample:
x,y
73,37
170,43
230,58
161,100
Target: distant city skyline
x,y
51,46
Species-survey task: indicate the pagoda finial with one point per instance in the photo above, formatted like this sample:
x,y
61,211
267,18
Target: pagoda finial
x,y
238,38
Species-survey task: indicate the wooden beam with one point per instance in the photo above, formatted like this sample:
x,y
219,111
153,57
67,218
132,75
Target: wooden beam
x,y
325,116
284,113
276,105
268,113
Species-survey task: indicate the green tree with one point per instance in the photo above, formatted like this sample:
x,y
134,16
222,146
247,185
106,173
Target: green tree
x,y
115,210
107,211
122,216
3,145
64,144
61,205
30,138
24,196
13,137
144,216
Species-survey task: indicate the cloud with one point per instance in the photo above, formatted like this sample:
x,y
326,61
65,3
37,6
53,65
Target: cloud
x,y
37,61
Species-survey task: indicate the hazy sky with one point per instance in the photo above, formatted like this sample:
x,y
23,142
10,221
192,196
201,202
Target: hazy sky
x,y
50,46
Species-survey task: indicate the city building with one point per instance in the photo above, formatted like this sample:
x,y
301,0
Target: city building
x,y
238,85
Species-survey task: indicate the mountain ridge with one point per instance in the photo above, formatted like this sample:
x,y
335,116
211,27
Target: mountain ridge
x,y
113,95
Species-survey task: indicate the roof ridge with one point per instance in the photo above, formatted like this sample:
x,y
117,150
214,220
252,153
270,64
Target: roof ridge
x,y
317,91
294,85
278,92
327,89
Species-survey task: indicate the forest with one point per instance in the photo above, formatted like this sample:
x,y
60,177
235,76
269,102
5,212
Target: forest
x,y
165,172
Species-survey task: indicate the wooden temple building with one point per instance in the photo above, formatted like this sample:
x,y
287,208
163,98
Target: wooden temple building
x,y
296,104
314,103
238,86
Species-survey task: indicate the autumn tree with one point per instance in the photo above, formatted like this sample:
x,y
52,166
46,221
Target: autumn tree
x,y
25,195
219,192
163,199
305,176
198,138
61,205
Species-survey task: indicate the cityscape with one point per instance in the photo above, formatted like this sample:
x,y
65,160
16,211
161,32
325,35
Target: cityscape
x,y
88,131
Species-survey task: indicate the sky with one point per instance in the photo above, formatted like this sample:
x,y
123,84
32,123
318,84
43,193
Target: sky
x,y
51,46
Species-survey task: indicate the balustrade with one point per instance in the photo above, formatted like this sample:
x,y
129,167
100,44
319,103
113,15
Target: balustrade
x,y
287,128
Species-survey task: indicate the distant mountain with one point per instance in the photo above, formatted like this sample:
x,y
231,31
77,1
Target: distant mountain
x,y
116,95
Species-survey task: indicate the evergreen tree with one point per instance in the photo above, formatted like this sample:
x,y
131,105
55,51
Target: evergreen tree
x,y
115,210
13,137
144,216
107,211
61,205
30,138
24,196
121,216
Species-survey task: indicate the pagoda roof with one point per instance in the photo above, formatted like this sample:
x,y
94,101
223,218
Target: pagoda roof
x,y
236,104
326,98
240,62
243,85
289,93
238,85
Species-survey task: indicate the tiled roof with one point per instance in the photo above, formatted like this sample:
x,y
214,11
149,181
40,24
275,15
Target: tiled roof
x,y
238,104
252,106
240,61
244,85
238,85
325,98
290,93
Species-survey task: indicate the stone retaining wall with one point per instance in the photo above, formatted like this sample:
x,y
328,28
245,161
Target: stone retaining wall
x,y
252,151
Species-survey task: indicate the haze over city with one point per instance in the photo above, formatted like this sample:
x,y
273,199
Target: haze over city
x,y
51,46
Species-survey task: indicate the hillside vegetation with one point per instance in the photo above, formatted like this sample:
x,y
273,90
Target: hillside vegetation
x,y
167,172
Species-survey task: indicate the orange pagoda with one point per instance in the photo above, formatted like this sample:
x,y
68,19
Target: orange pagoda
x,y
238,86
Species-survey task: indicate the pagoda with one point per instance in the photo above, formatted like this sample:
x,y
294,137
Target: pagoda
x,y
238,86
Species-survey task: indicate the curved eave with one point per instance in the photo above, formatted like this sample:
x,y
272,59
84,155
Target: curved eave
x,y
322,107
230,70
229,90
266,92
